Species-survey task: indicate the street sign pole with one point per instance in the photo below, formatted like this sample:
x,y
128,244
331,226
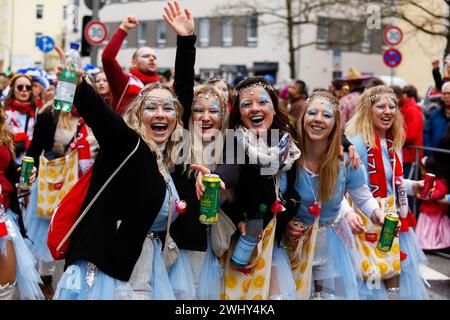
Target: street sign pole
x,y
94,49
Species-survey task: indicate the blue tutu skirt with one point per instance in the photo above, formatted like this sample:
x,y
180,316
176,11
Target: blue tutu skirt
x,y
334,269
27,277
282,284
37,229
84,281
210,278
181,277
412,285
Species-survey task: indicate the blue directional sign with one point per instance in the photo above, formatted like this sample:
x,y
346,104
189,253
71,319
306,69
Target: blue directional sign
x,y
46,44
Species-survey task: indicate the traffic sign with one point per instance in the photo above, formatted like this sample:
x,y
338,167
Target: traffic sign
x,y
96,32
392,57
90,5
393,35
46,44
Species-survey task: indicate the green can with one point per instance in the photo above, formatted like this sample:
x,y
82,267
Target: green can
x,y
209,203
388,232
25,173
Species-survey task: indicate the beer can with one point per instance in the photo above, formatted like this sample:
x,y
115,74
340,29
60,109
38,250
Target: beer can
x,y
25,173
388,232
209,203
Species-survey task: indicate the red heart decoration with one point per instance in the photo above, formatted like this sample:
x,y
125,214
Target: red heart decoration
x,y
314,209
277,207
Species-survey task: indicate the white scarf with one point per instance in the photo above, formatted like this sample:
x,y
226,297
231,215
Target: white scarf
x,y
271,159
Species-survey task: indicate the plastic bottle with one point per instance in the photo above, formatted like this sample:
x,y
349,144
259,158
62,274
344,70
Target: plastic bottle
x,y
67,81
246,244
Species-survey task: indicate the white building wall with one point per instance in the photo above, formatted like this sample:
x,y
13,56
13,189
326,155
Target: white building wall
x,y
314,66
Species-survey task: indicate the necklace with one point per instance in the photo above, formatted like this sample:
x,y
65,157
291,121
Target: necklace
x,y
313,209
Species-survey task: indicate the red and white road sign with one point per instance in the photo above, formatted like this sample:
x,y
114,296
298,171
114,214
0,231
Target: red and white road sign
x,y
392,58
393,35
96,32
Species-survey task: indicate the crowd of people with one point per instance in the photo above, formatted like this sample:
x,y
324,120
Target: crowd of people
x,y
329,164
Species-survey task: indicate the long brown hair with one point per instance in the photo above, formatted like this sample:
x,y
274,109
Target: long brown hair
x,y
330,163
10,97
6,136
280,119
133,118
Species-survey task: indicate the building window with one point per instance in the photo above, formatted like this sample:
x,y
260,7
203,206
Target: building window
x,y
142,34
252,31
323,33
346,35
203,32
366,45
39,11
37,36
227,32
161,33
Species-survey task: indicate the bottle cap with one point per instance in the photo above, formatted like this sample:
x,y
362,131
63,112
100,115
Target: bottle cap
x,y
74,45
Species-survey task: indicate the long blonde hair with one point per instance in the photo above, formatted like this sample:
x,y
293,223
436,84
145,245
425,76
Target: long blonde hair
x,y
133,118
207,90
362,122
6,136
330,163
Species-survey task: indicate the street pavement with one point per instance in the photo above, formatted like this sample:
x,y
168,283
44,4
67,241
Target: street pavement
x,y
437,275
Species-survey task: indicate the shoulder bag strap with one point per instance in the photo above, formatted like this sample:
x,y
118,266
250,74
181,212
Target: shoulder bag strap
x,y
97,195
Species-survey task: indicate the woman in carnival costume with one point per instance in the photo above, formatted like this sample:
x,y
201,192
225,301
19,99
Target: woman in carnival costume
x,y
319,237
21,110
116,251
19,278
377,131
256,117
56,134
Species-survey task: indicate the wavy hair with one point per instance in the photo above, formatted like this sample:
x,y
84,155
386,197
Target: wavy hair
x,y
330,163
6,136
362,121
133,118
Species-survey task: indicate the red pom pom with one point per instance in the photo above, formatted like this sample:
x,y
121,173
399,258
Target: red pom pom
x,y
180,206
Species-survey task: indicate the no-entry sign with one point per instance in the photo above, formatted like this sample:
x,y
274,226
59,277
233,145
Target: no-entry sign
x,y
96,32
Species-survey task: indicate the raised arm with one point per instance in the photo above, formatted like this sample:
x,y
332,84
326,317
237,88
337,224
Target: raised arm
x,y
117,78
182,23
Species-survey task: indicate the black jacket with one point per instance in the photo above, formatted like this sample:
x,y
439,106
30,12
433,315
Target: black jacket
x,y
187,231
44,134
133,198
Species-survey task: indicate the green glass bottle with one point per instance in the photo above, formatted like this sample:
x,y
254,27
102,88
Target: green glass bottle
x,y
67,81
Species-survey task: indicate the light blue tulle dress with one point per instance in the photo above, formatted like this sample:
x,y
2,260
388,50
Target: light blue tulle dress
x,y
412,286
27,277
335,254
149,279
37,229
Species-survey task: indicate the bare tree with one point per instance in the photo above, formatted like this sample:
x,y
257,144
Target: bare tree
x,y
289,15
430,16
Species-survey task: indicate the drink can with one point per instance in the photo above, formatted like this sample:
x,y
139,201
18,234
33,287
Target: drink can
x,y
428,185
25,173
209,203
388,232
